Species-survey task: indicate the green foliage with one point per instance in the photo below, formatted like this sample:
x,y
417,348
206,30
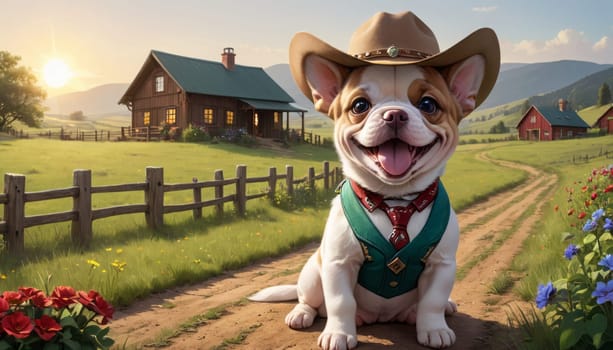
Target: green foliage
x,y
578,310
604,95
20,98
302,197
196,134
499,128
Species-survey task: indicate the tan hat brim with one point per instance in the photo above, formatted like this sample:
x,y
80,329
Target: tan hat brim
x,y
482,41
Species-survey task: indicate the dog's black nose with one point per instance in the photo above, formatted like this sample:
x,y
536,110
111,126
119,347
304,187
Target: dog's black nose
x,y
395,117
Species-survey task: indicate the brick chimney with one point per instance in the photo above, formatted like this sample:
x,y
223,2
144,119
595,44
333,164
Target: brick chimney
x,y
227,58
562,103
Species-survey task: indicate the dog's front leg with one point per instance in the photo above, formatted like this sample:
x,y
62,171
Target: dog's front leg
x,y
339,279
434,289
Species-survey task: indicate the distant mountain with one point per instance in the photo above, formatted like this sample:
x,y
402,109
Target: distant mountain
x,y
281,74
523,81
580,94
95,102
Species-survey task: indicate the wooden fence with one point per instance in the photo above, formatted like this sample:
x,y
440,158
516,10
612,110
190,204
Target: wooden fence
x,y
82,215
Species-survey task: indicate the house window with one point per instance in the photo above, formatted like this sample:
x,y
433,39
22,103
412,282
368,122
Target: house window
x,y
171,116
569,133
159,83
229,118
146,118
207,115
276,117
533,119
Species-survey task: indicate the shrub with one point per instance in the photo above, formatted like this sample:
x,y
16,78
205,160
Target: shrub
x,y
196,134
578,309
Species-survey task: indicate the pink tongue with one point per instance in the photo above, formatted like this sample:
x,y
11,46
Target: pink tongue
x,y
395,157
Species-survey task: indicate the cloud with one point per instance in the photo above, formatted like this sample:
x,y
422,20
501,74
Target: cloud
x,y
601,44
484,9
567,44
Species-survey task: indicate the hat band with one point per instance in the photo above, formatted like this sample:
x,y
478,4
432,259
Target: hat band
x,y
393,52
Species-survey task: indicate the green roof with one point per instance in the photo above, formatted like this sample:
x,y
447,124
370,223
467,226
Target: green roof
x,y
212,78
555,117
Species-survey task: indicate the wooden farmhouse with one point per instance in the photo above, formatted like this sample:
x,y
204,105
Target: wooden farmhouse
x,y
551,123
179,91
605,121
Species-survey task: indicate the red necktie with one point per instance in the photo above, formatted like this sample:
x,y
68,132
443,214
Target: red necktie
x,y
398,215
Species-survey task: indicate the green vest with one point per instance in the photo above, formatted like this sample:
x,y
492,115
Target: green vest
x,y
385,271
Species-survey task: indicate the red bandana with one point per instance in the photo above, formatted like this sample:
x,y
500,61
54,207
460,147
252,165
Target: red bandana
x,y
398,215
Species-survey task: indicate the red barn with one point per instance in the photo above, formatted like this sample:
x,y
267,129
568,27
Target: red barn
x,y
550,123
605,121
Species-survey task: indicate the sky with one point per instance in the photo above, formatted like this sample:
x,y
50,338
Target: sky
x,y
107,41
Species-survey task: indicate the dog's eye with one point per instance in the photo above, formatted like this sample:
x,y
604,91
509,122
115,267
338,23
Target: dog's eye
x,y
360,105
428,105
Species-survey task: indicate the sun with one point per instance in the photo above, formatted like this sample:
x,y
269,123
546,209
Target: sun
x,y
56,73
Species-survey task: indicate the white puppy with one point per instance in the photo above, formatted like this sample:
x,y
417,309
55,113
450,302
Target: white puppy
x,y
395,128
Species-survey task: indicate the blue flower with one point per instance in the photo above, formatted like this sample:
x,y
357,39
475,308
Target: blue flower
x,y
607,262
571,251
590,225
545,294
608,224
597,214
603,292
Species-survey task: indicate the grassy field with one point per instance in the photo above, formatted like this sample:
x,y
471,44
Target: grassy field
x,y
127,261
572,161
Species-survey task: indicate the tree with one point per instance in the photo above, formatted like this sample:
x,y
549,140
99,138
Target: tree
x,y
499,128
20,98
604,95
76,115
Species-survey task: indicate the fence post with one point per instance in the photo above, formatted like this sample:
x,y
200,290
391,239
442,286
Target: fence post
x,y
219,192
81,228
289,180
148,133
272,183
326,175
154,197
197,199
14,213
241,189
311,179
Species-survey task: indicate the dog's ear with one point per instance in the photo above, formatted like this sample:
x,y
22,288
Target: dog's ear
x,y
464,79
325,78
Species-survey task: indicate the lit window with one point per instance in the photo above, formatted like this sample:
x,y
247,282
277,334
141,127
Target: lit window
x,y
207,115
146,118
229,118
171,116
276,117
159,83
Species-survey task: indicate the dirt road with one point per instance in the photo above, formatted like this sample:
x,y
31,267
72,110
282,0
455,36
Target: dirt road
x,y
491,235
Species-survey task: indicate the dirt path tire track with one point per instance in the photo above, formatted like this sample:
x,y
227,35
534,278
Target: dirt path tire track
x,y
484,226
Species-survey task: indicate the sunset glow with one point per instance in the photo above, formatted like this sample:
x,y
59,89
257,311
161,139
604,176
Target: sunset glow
x,y
56,73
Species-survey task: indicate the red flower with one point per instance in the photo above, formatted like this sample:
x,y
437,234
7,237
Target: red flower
x,y
589,179
581,215
594,195
40,300
29,292
4,306
13,298
95,302
17,325
570,211
609,188
556,208
46,327
588,203
63,296
584,188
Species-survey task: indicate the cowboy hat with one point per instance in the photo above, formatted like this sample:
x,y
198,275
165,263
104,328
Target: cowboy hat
x,y
397,39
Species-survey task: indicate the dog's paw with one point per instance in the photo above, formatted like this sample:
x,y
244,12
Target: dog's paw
x,y
337,341
436,338
451,308
302,316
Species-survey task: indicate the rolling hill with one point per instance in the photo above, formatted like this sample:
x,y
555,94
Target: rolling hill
x,y
96,102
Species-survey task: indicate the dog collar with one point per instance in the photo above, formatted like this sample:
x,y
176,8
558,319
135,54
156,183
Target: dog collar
x,y
371,200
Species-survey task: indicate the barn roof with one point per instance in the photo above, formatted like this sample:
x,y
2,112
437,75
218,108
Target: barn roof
x,y
555,117
251,84
567,117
